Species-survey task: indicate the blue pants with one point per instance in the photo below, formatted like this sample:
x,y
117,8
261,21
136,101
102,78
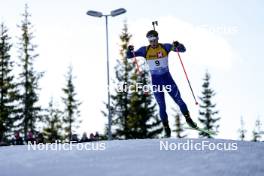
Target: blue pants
x,y
158,81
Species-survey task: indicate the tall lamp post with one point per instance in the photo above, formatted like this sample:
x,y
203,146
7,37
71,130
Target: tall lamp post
x,y
112,14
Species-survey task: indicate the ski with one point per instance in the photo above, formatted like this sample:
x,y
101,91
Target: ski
x,y
202,130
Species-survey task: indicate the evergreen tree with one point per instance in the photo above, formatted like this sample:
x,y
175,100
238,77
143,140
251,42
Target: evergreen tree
x,y
53,128
178,125
8,90
133,112
71,111
242,130
143,121
120,101
29,78
257,131
207,108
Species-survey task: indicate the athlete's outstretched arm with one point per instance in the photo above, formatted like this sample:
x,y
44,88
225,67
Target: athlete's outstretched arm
x,y
175,46
140,52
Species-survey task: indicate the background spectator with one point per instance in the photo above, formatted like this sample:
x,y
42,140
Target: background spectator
x,y
74,138
30,137
17,140
84,138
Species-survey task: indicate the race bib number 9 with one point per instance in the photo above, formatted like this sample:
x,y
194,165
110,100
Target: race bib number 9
x,y
158,63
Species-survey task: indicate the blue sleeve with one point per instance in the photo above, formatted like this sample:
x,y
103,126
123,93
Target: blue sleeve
x,y
169,47
140,52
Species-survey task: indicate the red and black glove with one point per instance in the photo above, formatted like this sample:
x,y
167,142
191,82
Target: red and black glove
x,y
130,48
175,44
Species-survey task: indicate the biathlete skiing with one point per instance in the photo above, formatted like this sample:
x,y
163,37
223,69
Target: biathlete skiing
x,y
156,55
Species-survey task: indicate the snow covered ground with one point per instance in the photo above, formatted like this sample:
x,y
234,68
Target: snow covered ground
x,y
154,157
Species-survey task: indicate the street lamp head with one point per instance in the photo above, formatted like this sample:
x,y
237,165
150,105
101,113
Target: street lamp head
x,y
118,12
94,13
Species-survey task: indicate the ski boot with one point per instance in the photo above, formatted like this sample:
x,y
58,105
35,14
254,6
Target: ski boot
x,y
189,120
167,129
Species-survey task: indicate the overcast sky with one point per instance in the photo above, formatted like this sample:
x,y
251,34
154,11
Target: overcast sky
x,y
223,37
